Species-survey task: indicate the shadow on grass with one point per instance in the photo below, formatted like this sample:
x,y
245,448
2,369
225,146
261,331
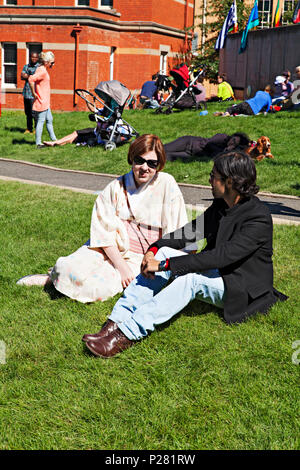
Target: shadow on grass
x,y
14,129
22,141
52,292
282,163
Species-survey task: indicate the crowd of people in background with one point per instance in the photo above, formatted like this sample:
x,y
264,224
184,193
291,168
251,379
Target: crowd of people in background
x,y
281,95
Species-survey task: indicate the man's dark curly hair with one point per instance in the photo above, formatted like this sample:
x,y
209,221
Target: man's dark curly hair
x,y
240,168
238,141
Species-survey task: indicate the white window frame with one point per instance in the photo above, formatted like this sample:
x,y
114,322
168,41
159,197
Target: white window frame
x,y
82,6
7,85
10,4
28,44
111,62
163,62
262,11
293,3
107,7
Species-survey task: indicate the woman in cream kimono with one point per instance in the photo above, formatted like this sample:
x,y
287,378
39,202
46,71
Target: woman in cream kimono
x,y
129,214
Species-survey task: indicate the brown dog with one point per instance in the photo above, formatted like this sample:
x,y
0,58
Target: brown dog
x,y
261,150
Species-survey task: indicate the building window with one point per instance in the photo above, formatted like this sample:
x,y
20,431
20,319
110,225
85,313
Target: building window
x,y
265,13
10,2
9,65
106,3
288,11
163,63
34,47
111,63
82,3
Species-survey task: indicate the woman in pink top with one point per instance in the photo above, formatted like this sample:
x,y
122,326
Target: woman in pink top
x,y
40,87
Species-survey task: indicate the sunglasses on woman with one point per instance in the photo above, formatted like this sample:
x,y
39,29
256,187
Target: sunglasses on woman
x,y
151,163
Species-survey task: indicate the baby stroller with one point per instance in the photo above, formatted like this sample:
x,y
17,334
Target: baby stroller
x,y
183,91
112,129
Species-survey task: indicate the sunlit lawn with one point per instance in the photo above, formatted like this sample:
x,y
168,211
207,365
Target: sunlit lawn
x,y
195,384
280,175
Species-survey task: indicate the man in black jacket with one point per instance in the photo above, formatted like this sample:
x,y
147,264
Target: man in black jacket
x,y
233,272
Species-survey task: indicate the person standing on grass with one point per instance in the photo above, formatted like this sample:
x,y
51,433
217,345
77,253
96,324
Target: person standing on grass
x,y
29,69
234,272
40,87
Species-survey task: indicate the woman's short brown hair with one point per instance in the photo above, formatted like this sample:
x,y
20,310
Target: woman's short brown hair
x,y
146,143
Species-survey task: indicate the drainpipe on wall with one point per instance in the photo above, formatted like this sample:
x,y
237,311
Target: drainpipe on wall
x,y
76,31
203,25
185,25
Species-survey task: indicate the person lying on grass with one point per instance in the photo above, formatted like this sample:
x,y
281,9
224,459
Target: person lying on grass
x,y
191,147
262,101
131,213
234,272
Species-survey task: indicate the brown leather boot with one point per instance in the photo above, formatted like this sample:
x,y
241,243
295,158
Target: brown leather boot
x,y
110,345
106,329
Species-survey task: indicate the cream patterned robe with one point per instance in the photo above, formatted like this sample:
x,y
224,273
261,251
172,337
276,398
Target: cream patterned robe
x,y
87,275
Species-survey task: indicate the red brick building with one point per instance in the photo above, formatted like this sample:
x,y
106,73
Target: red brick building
x,y
92,40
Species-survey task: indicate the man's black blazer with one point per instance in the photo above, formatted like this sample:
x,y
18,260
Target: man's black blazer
x,y
239,244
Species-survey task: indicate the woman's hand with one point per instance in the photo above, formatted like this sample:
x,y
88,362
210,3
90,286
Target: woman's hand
x,y
120,264
126,275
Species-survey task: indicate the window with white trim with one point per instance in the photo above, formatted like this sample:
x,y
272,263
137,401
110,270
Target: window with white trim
x,y
106,3
265,13
111,63
288,11
10,2
163,62
32,47
9,64
82,3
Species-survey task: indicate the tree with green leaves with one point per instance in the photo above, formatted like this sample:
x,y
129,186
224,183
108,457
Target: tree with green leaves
x,y
216,13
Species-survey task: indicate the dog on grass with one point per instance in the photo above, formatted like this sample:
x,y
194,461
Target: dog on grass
x,y
260,149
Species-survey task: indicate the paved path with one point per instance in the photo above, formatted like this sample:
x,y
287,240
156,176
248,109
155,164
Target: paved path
x,y
284,209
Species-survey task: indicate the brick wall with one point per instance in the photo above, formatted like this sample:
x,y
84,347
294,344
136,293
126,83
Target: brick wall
x,y
137,54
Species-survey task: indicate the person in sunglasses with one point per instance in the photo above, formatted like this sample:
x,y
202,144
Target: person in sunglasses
x,y
130,214
234,271
40,88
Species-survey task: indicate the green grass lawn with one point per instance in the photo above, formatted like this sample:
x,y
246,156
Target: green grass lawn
x,y
197,384
280,175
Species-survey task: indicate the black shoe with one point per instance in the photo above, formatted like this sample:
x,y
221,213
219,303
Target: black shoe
x,y
40,146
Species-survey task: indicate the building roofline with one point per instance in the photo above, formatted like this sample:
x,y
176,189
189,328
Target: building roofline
x,y
119,26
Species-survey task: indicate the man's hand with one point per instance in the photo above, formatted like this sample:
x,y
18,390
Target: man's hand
x,y
149,265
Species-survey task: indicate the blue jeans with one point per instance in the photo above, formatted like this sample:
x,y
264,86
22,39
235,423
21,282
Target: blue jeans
x,y
41,117
146,303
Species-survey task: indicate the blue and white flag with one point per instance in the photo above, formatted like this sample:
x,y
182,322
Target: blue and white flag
x,y
253,21
230,23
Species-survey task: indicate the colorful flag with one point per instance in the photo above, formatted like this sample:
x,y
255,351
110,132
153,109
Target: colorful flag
x,y
230,24
296,16
253,21
277,20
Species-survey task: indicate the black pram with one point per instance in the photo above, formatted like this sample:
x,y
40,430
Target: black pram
x,y
183,91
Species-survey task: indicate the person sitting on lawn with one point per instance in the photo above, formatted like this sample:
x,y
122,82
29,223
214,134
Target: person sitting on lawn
x,y
191,147
89,136
225,91
131,213
149,94
234,271
261,101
